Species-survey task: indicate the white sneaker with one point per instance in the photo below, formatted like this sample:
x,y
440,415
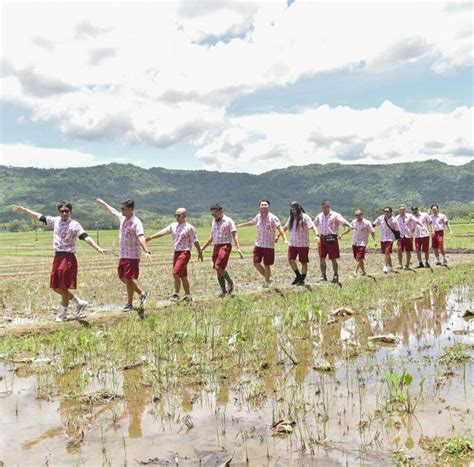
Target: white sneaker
x,y
445,261
391,269
80,307
186,298
174,298
63,316
265,285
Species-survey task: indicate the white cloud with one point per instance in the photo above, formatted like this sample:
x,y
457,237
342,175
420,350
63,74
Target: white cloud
x,y
341,134
24,155
165,73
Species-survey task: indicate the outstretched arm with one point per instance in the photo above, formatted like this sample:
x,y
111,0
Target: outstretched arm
x,y
23,210
93,244
107,206
246,224
160,233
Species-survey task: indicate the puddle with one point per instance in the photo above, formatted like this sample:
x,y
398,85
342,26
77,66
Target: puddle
x,y
338,413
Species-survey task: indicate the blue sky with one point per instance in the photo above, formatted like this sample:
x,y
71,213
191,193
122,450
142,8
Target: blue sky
x,y
240,87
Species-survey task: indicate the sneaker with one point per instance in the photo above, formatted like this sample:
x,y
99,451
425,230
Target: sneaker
x,y
186,298
222,294
231,288
80,307
296,280
127,307
406,268
363,273
438,262
300,283
391,269
399,267
421,265
323,278
143,298
445,261
427,265
265,285
386,269
174,298
335,279
63,316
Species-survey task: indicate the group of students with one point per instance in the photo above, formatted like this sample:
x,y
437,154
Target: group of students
x,y
325,226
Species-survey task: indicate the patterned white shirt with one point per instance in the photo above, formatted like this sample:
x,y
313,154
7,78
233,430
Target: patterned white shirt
x,y
130,230
266,227
183,234
300,233
406,224
424,219
329,224
65,233
222,230
363,228
439,221
386,235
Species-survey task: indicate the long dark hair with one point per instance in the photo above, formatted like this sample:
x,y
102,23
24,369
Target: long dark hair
x,y
299,214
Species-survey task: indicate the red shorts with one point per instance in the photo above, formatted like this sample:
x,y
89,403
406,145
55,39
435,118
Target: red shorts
x,y
301,251
405,244
63,272
267,254
330,249
437,240
386,247
220,255
422,244
128,268
358,252
180,262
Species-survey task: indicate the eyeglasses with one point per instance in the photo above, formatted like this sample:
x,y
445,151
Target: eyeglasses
x,y
387,211
177,215
64,210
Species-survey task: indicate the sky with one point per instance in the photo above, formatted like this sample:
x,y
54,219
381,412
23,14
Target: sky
x,y
235,86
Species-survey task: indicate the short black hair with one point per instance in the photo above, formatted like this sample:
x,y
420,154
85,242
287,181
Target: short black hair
x,y
64,203
264,201
435,206
324,202
389,208
216,207
129,203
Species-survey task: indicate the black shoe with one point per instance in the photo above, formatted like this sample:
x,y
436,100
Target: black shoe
x,y
127,307
427,265
420,266
323,278
295,282
301,282
335,279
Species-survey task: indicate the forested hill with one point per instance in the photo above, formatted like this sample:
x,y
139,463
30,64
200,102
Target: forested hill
x,y
158,192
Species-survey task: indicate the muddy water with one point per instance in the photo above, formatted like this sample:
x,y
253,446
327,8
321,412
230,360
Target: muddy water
x,y
340,415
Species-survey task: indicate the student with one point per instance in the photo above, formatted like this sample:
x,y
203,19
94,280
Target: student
x,y
328,222
361,228
422,236
388,232
63,276
184,237
132,241
223,231
299,224
264,248
406,224
439,222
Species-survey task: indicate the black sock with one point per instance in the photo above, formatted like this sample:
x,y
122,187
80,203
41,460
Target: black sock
x,y
297,273
221,281
302,277
227,277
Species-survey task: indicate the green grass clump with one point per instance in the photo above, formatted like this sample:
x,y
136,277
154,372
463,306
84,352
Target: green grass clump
x,y
455,354
446,449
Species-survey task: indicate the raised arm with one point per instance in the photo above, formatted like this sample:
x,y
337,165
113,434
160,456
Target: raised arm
x,y
107,206
160,233
23,210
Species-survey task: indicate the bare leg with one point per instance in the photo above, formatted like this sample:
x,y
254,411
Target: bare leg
x,y
267,273
322,266
177,283
304,268
361,265
335,266
185,282
260,268
64,296
400,258
292,264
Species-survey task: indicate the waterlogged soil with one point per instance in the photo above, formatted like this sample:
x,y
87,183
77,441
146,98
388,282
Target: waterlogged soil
x,y
339,414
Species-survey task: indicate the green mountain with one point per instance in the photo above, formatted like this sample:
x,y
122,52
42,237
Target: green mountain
x,y
158,192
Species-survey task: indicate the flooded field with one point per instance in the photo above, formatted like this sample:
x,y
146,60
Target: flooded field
x,y
263,381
